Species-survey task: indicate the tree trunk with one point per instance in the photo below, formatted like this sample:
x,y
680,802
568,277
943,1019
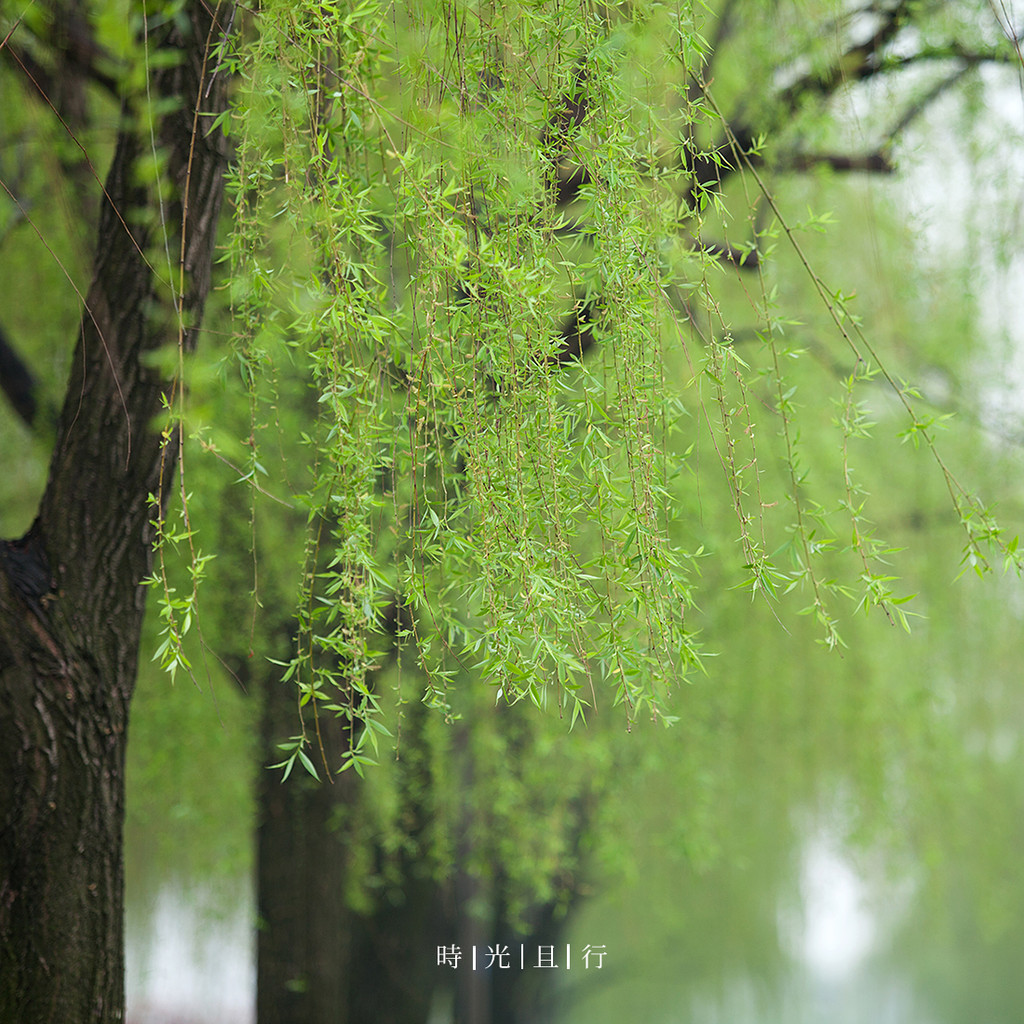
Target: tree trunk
x,y
303,866
394,972
318,960
71,599
394,968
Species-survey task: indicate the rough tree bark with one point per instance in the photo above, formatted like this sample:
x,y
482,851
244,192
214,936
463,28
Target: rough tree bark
x,y
71,598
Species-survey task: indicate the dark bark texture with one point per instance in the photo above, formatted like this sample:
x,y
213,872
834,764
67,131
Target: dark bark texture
x,y
71,599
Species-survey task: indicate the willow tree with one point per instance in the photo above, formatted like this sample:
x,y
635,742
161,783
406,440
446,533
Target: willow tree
x,y
71,598
491,239
511,243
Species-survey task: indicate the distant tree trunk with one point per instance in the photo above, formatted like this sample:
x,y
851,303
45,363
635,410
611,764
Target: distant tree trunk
x,y
302,873
394,962
318,960
71,600
394,970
